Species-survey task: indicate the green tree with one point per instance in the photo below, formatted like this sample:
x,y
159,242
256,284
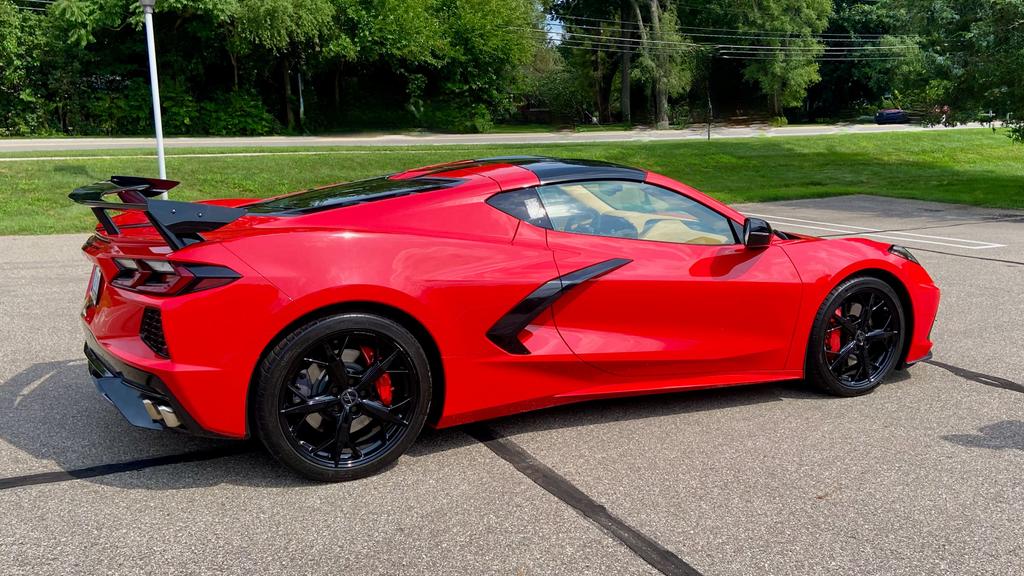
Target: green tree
x,y
17,97
971,58
80,66
288,29
486,48
787,66
666,61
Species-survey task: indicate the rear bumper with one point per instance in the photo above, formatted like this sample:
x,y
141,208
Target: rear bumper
x,y
141,397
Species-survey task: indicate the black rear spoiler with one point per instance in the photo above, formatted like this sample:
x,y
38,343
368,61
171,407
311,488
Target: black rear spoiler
x,y
179,223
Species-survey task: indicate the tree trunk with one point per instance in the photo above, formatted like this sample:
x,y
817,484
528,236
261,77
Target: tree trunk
x,y
234,68
598,75
286,78
605,83
707,88
624,79
660,91
337,89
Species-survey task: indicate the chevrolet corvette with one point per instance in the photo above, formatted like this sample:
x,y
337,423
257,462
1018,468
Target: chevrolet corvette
x,y
335,323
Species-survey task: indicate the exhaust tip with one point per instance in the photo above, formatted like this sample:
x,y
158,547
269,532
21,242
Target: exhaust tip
x,y
151,410
170,418
160,413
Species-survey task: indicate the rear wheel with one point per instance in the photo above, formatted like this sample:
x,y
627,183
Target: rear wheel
x,y
343,396
856,338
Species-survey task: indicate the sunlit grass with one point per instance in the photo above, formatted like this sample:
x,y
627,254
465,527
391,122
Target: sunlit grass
x,y
965,166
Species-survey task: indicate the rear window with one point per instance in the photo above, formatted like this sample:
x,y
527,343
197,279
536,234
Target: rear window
x,y
347,194
523,204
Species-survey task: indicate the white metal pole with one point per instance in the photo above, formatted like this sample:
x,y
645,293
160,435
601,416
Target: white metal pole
x,y
155,88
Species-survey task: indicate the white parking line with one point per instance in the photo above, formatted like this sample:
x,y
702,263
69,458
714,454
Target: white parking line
x,y
848,229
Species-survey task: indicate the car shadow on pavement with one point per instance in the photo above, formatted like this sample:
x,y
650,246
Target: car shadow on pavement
x,y
1005,435
52,412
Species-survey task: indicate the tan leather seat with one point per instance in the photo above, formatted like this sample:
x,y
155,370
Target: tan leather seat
x,y
678,232
580,194
648,226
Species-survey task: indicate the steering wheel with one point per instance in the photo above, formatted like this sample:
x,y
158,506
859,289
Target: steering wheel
x,y
582,222
614,226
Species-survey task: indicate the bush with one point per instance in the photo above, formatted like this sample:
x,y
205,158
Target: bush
x,y
1016,130
181,112
110,105
239,113
779,121
461,117
679,115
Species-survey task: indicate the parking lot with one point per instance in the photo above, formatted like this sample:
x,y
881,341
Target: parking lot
x,y
923,476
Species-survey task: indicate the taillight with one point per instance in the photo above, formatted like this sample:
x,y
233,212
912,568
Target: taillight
x,y
92,298
166,278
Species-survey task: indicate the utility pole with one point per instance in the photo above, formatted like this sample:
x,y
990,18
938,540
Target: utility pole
x,y
154,84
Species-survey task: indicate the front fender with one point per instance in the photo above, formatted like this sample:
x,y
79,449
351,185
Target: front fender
x,y
824,264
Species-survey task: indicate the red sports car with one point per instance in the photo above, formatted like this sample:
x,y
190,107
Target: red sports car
x,y
335,323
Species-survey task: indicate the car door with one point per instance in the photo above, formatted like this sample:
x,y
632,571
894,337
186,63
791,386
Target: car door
x,y
685,298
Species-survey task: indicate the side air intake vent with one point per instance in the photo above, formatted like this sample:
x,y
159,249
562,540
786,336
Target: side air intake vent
x,y
152,332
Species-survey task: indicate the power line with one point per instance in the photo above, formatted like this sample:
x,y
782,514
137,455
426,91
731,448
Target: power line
x,y
618,41
732,55
46,4
634,25
819,59
742,36
598,36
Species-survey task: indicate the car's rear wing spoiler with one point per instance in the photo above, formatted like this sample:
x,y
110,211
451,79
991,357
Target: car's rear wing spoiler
x,y
178,223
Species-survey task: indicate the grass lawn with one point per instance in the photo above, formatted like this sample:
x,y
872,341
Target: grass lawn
x,y
964,166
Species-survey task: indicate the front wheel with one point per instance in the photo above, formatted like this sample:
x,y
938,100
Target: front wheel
x,y
342,397
856,338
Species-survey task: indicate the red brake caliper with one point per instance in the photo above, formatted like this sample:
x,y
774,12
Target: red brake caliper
x,y
834,343
383,383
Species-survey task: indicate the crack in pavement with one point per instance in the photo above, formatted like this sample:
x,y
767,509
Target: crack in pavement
x,y
659,557
117,468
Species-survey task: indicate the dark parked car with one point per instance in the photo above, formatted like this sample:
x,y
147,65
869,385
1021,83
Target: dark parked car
x,y
891,116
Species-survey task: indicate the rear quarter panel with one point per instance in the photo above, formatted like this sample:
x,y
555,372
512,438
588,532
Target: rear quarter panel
x,y
453,263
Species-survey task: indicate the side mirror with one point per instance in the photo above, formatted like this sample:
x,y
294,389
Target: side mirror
x,y
757,233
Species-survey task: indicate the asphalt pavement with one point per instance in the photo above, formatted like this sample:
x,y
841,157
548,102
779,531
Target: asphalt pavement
x,y
923,476
427,138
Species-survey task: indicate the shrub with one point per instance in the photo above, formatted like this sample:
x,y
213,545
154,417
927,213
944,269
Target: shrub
x,y
453,116
778,121
181,112
110,105
238,113
679,115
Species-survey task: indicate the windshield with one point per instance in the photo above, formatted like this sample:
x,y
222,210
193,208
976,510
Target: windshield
x,y
347,194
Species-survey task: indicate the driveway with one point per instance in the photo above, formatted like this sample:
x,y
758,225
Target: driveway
x,y
923,476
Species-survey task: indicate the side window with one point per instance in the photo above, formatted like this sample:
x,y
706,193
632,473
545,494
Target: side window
x,y
523,204
633,210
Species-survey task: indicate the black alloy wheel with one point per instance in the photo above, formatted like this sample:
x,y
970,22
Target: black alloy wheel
x,y
344,398
857,337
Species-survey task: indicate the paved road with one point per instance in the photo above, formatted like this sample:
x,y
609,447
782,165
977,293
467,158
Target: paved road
x,y
58,144
923,476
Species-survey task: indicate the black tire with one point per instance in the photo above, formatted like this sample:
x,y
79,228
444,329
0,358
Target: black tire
x,y
850,351
308,419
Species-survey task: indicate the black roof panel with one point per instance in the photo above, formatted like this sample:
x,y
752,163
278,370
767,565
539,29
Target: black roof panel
x,y
555,170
